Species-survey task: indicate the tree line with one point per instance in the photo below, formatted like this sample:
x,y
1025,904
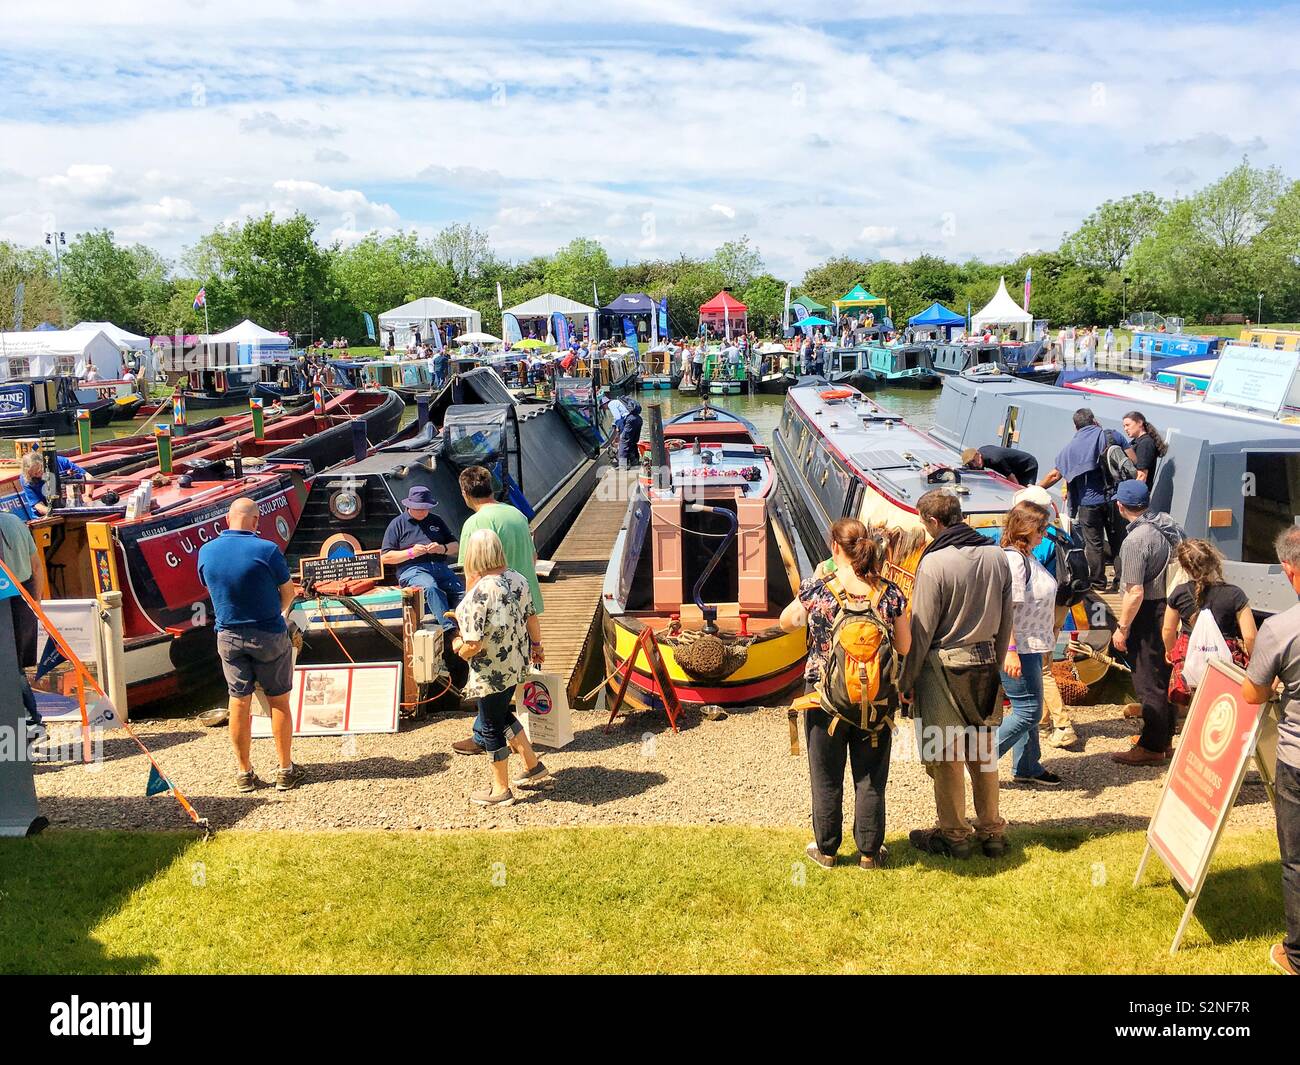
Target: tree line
x,y
1225,249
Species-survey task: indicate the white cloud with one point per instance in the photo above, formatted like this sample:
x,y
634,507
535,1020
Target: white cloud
x,y
724,210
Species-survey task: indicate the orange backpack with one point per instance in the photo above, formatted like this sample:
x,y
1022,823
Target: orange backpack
x,y
860,682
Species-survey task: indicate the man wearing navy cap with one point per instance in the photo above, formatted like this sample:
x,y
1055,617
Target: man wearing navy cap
x,y
1144,558
420,545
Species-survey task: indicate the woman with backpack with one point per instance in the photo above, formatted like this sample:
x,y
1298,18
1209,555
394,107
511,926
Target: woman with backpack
x,y
1204,589
849,594
1033,636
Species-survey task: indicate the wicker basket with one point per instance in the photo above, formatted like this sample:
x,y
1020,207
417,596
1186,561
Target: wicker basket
x,y
1073,691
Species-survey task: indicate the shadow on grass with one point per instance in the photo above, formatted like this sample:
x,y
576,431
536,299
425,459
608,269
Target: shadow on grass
x,y
52,931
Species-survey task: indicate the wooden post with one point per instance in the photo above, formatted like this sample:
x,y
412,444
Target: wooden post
x,y
163,439
259,418
83,430
178,411
113,680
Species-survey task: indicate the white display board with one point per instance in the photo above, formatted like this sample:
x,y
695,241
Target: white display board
x,y
336,700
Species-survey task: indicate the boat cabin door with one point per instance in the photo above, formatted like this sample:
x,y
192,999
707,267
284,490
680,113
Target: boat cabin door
x,y
1009,431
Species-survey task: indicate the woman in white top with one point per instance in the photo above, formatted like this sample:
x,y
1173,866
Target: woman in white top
x,y
1033,635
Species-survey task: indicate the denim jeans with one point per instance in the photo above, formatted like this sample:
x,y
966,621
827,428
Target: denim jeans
x,y
443,589
1288,838
496,724
1018,732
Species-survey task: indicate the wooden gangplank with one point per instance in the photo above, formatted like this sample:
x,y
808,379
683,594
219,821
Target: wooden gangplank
x,y
571,618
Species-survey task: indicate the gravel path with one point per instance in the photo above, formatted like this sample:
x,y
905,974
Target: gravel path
x,y
734,771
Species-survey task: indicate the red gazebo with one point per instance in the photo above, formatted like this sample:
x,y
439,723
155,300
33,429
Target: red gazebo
x,y
724,314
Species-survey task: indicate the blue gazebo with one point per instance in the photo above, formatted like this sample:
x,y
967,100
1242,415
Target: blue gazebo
x,y
936,317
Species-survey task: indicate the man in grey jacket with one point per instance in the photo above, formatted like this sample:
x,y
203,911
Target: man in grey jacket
x,y
961,627
1148,550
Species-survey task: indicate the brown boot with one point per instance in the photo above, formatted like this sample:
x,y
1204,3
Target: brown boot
x,y
1133,710
1138,756
469,746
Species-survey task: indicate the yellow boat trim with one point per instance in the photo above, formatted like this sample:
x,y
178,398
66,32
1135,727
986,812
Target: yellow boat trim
x,y
766,657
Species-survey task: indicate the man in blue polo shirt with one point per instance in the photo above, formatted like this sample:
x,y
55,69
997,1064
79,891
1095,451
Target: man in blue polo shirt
x,y
421,546
252,592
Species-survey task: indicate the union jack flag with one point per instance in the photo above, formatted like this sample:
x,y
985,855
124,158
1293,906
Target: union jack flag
x,y
201,298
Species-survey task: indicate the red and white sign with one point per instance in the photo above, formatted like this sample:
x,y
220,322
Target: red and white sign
x,y
1218,741
339,700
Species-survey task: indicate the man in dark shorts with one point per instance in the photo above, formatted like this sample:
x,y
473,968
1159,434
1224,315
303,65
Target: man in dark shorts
x,y
252,592
1014,465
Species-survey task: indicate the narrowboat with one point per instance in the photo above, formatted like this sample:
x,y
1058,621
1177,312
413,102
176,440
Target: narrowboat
x,y
93,547
218,386
658,371
29,407
842,455
406,377
902,365
962,356
1212,453
776,370
850,367
703,565
1153,349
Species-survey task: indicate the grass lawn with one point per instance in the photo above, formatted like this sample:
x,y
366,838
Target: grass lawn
x,y
614,900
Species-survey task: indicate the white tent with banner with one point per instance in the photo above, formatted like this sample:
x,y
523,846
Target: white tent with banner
x,y
250,341
126,341
420,315
539,309
59,352
1003,311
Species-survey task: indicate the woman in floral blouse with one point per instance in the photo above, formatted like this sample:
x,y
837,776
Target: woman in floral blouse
x,y
500,636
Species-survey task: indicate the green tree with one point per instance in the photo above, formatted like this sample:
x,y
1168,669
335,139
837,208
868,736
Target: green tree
x,y
572,270
464,249
737,262
33,268
1107,237
832,279
106,282
272,272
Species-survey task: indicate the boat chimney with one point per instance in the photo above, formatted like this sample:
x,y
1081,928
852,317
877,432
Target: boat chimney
x,y
237,457
422,409
360,445
660,475
1179,382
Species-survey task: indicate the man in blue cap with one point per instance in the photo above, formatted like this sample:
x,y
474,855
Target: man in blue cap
x,y
421,546
1148,550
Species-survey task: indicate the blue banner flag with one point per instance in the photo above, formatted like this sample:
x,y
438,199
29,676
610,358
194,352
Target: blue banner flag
x,y
51,657
435,334
158,784
663,318
510,330
629,335
370,324
562,330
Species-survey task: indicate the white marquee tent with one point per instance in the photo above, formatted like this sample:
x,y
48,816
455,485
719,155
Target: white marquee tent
x,y
1002,310
420,314
249,332
50,352
545,305
126,341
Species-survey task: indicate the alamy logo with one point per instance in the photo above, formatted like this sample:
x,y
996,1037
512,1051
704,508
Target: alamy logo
x,y
79,1018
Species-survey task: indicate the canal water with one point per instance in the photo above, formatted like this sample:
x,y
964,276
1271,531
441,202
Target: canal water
x,y
916,405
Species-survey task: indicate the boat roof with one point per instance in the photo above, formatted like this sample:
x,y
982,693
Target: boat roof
x,y
1218,427
1164,396
890,454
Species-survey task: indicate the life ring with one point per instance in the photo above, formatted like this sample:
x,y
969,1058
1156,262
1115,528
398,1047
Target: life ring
x,y
836,393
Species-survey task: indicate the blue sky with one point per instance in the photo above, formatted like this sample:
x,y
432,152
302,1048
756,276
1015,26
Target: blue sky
x,y
874,130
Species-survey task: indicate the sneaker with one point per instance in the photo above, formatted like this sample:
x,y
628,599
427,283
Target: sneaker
x,y
994,846
533,777
874,861
1062,737
1046,779
1278,959
288,779
469,746
932,841
486,797
826,861
247,782
1132,709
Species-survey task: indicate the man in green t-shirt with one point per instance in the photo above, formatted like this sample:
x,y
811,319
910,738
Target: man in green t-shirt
x,y
516,537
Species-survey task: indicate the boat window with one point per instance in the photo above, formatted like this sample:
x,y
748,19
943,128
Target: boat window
x,y
1009,427
830,484
1275,477
1279,344
848,361
19,368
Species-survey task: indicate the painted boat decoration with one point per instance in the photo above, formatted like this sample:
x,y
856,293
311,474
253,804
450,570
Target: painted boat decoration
x,y
706,567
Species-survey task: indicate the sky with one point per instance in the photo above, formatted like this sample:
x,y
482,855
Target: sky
x,y
658,127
